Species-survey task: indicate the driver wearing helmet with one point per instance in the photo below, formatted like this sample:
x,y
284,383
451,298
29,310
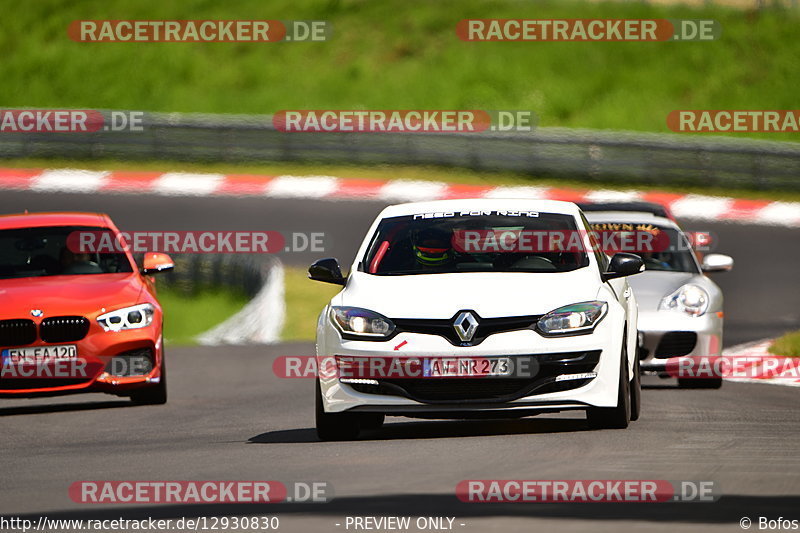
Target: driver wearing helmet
x,y
432,247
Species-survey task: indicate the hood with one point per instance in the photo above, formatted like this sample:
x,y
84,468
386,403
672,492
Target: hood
x,y
489,294
68,295
651,286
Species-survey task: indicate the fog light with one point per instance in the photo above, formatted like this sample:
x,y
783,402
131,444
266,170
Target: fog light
x,y
129,364
570,377
359,381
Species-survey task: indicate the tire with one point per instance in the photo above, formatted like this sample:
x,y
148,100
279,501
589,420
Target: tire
x,y
614,417
155,395
636,392
703,383
334,426
372,420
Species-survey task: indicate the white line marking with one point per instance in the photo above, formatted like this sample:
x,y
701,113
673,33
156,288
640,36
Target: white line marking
x,y
605,195
186,184
780,213
69,180
412,191
701,207
539,193
302,187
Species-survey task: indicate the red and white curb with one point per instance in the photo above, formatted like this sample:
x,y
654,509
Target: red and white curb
x,y
689,206
790,366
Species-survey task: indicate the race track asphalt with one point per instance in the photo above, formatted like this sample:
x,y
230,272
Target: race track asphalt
x,y
230,418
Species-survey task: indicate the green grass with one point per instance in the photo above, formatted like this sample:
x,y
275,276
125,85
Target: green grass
x,y
189,315
304,300
788,345
186,316
386,172
398,54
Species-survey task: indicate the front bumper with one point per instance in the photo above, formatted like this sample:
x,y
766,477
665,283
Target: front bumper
x,y
417,397
668,334
103,364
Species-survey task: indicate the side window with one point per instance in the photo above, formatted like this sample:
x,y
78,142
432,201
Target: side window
x,y
602,258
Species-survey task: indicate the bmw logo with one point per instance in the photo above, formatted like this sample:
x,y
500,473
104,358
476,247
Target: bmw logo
x,y
36,312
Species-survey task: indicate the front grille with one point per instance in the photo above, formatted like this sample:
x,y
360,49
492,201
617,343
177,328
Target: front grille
x,y
63,328
459,388
676,344
444,327
492,389
17,332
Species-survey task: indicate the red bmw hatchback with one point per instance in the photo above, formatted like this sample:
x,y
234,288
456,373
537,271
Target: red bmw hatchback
x,y
73,321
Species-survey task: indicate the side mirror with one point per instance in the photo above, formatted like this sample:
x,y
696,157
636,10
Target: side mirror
x,y
717,263
327,270
156,262
623,264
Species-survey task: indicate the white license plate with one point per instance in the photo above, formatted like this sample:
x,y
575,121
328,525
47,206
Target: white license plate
x,y
40,354
465,367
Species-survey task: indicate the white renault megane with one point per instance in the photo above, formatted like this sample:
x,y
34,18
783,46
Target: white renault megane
x,y
477,308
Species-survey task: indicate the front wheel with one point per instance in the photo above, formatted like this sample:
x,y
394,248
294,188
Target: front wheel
x,y
614,417
701,383
155,395
372,420
636,391
334,426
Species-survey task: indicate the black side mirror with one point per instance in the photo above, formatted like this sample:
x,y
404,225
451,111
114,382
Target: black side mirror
x,y
622,265
327,270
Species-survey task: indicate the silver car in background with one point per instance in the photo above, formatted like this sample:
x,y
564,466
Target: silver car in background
x,y
680,308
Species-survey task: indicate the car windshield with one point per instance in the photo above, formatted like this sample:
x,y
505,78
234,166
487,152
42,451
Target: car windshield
x,y
39,252
484,241
669,250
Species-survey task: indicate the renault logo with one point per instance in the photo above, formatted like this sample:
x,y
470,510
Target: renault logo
x,y
465,325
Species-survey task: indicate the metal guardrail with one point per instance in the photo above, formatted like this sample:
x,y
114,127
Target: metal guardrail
x,y
598,156
258,276
195,272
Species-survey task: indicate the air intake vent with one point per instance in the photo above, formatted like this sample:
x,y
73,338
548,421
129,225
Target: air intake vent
x,y
676,344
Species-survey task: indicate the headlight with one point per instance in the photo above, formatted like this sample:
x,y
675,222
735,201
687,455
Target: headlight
x,y
691,299
138,316
361,322
573,319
